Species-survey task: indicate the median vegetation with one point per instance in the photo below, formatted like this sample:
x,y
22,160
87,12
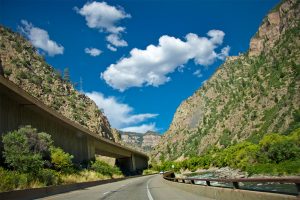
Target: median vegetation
x,y
31,160
274,154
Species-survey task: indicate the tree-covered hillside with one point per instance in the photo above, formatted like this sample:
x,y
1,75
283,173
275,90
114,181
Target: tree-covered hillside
x,y
250,95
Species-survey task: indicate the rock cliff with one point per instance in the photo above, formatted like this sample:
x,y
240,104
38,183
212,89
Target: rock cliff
x,y
143,142
248,96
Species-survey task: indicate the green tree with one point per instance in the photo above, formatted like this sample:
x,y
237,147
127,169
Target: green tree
x,y
61,160
278,147
104,168
24,149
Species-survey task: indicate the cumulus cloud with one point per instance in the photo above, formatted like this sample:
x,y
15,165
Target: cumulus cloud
x,y
198,73
93,51
101,16
111,47
153,65
115,40
140,129
40,39
120,115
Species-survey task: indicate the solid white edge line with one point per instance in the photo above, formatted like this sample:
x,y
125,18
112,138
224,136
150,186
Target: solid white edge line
x,y
148,191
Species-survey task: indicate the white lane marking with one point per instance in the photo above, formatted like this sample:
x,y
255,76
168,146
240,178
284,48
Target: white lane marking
x,y
148,191
106,192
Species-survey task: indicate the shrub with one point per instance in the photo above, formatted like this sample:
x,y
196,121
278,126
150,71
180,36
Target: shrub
x,y
20,152
279,148
38,142
149,171
22,75
7,71
36,80
283,168
61,160
48,177
104,168
11,180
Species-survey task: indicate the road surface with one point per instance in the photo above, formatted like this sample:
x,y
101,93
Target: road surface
x,y
152,187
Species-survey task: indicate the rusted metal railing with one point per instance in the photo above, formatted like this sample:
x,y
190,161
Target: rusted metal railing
x,y
170,176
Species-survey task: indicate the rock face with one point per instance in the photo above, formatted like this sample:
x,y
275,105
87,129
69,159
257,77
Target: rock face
x,y
248,96
143,142
23,66
275,23
150,140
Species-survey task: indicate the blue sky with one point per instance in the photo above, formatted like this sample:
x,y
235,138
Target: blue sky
x,y
138,59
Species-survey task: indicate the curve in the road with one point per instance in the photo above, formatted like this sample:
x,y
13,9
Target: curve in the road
x,y
148,191
152,187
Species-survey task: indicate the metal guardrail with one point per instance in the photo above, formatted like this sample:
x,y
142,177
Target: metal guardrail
x,y
170,176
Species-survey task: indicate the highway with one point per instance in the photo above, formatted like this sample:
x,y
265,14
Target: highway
x,y
152,187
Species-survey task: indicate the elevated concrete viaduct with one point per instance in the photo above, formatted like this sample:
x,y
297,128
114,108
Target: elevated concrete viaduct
x,y
18,108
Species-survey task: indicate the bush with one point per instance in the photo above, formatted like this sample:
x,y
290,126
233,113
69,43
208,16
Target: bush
x,y
22,75
104,168
11,180
278,148
21,152
149,171
61,160
48,177
283,168
7,72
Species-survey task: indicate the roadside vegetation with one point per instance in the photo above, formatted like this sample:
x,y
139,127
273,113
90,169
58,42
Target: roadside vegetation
x,y
31,160
151,170
275,154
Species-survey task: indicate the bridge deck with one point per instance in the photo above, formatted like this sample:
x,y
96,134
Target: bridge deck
x,y
17,107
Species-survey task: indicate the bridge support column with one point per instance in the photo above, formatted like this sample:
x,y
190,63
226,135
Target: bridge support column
x,y
90,149
133,162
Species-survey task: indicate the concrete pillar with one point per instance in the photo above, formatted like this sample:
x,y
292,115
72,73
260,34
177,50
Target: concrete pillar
x,y
90,149
133,162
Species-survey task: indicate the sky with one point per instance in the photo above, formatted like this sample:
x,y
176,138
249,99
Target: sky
x,y
137,59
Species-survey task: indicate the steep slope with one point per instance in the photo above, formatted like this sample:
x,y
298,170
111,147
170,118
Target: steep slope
x,y
23,66
248,96
143,142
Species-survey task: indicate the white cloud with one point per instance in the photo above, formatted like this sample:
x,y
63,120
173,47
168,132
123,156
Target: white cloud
x,y
224,53
93,51
115,40
40,39
198,73
101,16
153,65
140,129
120,115
111,47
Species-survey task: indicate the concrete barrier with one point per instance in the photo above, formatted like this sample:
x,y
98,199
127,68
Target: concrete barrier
x,y
230,194
235,193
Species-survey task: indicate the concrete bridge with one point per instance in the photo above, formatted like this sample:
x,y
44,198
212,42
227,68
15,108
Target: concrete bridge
x,y
18,108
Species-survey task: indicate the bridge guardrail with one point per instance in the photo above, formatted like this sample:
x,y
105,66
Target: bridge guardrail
x,y
170,176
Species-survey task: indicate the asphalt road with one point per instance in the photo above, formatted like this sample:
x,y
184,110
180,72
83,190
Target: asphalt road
x,y
152,187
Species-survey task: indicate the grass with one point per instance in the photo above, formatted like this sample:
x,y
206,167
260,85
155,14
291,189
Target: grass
x,y
149,171
86,176
12,180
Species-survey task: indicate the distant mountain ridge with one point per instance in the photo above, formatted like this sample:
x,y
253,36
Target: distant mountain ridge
x,y
144,142
22,65
249,95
